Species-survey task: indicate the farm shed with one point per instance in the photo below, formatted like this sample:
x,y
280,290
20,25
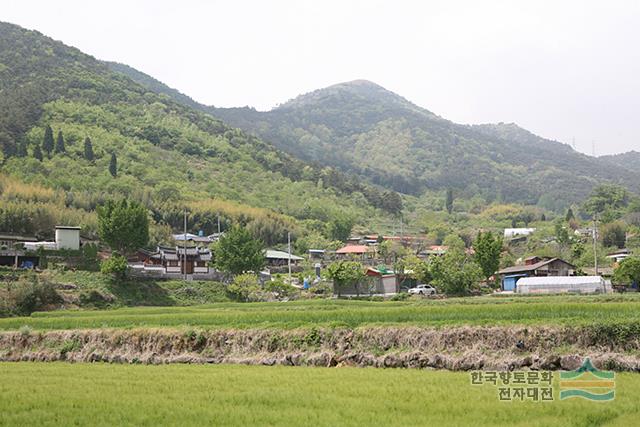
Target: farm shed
x,y
562,284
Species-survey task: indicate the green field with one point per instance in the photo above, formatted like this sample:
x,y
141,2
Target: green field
x,y
551,310
99,394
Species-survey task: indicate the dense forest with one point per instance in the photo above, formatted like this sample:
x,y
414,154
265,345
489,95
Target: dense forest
x,y
362,128
74,133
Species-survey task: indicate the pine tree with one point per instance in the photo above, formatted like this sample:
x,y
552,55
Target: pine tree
x,y
449,200
113,165
60,143
570,215
47,144
22,149
88,149
37,152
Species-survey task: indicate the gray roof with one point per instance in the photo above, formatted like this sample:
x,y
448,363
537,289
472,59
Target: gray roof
x,y
273,254
531,267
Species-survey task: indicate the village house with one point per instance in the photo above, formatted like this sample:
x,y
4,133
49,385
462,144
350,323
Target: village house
x,y
353,251
175,260
535,267
280,258
377,282
12,252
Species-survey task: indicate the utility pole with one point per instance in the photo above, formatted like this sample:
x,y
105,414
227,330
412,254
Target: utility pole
x,y
595,242
289,259
218,225
184,246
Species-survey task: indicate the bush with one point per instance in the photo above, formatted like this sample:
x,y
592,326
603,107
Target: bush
x,y
33,295
243,287
116,265
280,289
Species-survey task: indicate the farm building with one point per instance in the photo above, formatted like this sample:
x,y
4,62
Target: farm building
x,y
12,253
619,255
377,282
280,258
513,232
67,237
534,267
563,284
353,251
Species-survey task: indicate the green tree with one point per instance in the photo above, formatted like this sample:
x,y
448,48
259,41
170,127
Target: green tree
x,y
238,251
37,152
123,225
47,143
22,149
391,202
243,286
614,234
113,165
345,273
88,149
607,201
570,216
449,200
339,228
115,265
628,272
60,148
487,253
455,273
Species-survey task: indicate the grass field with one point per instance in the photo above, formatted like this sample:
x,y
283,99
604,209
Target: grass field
x,y
99,394
552,310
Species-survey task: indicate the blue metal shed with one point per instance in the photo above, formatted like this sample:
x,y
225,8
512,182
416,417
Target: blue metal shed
x,y
509,282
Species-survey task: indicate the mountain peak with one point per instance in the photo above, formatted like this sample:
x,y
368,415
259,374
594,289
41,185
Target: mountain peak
x,y
353,93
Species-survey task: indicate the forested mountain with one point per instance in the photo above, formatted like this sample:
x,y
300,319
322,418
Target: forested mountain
x,y
630,160
360,127
79,133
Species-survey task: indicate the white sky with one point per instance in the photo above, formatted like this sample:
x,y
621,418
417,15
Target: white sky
x,y
562,69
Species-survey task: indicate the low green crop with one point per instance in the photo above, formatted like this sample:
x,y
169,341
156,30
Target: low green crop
x,y
550,310
235,395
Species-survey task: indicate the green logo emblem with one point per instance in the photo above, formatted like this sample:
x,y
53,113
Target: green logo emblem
x,y
588,383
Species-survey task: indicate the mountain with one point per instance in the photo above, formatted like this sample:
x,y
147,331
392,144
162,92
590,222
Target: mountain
x,y
362,128
169,155
630,160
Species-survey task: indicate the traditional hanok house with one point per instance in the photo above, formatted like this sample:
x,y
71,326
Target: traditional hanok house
x,y
534,267
280,258
174,261
193,238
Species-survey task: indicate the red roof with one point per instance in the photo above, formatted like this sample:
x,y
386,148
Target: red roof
x,y
353,249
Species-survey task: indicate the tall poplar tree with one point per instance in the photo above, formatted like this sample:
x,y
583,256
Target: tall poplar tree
x,y
47,143
60,143
113,165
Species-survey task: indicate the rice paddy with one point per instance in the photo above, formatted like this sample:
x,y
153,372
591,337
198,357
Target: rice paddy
x,y
47,394
548,310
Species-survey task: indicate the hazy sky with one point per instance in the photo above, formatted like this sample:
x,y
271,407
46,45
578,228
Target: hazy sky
x,y
562,69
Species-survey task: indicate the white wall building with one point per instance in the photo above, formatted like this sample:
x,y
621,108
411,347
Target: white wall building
x,y
513,232
67,237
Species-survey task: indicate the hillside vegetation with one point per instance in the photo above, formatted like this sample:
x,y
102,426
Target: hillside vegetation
x,y
361,127
144,146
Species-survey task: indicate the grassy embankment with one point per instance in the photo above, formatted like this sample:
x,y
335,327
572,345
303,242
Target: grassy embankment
x,y
548,310
99,394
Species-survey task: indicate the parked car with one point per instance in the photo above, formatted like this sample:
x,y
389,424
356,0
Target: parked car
x,y
423,290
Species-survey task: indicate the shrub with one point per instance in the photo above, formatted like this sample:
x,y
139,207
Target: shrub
x,y
243,286
116,265
280,289
33,295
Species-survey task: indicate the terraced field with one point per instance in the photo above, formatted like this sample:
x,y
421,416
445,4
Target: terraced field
x,y
547,310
